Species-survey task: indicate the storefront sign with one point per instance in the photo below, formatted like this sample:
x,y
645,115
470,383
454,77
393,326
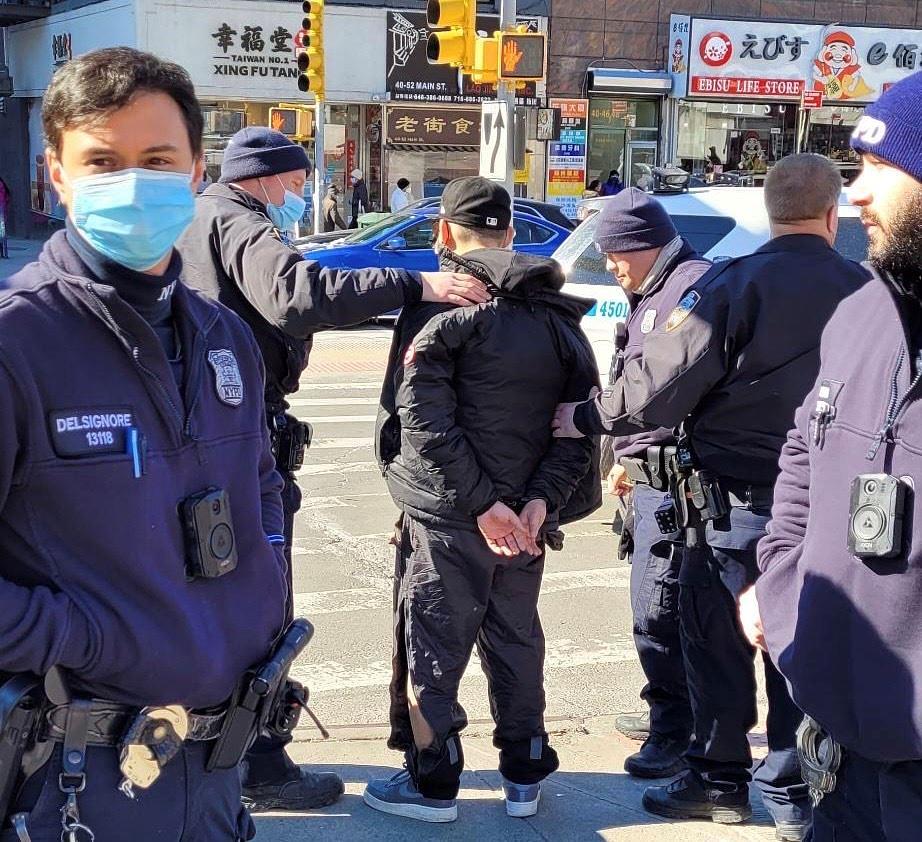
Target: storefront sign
x,y
566,163
433,126
62,49
780,61
679,34
411,78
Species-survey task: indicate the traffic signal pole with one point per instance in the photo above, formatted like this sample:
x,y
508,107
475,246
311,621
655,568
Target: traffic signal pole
x,y
505,92
320,167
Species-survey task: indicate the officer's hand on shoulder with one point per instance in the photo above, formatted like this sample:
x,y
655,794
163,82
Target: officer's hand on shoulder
x,y
453,288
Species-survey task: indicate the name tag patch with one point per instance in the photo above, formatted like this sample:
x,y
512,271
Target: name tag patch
x,y
88,432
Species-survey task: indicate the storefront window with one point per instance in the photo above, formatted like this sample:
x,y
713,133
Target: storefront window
x,y
614,124
429,171
828,133
734,137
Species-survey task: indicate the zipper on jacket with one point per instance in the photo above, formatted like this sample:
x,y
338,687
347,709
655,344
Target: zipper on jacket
x,y
896,405
136,358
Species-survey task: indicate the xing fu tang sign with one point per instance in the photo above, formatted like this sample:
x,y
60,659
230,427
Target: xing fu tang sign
x,y
778,60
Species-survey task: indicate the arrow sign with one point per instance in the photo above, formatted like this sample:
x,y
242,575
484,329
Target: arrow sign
x,y
494,140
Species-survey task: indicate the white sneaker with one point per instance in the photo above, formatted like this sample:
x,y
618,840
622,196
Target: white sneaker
x,y
521,799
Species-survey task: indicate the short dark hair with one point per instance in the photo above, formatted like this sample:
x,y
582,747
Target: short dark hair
x,y
94,85
403,183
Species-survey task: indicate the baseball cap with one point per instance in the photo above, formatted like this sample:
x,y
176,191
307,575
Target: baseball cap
x,y
476,202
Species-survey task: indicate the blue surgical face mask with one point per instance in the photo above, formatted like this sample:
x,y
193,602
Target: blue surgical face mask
x,y
286,215
133,216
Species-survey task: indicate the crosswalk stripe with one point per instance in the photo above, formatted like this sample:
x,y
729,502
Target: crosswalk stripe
x,y
341,387
365,599
330,676
341,443
346,401
341,419
320,469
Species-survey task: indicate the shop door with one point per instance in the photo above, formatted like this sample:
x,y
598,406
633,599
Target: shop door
x,y
641,158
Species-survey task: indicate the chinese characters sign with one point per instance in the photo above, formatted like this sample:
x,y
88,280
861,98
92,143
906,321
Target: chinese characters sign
x,y
433,126
411,78
566,163
251,50
781,61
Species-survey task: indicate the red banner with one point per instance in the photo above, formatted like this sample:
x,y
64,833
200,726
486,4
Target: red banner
x,y
811,99
734,86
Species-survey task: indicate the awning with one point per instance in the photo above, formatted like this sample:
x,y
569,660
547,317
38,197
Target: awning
x,y
617,80
429,147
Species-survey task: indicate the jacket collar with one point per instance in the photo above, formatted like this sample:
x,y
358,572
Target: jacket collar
x,y
798,243
235,195
655,284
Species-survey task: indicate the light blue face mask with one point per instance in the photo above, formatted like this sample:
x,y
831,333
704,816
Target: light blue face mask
x,y
285,216
133,216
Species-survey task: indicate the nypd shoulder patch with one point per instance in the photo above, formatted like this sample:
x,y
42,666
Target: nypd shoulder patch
x,y
683,310
227,379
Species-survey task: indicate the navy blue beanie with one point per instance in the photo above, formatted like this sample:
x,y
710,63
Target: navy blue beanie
x,y
256,152
891,128
633,221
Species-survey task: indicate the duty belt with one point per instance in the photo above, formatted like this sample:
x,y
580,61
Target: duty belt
x,y
108,722
743,496
651,469
290,438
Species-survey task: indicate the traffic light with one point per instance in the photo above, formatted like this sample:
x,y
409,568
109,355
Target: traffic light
x,y
456,25
310,61
522,56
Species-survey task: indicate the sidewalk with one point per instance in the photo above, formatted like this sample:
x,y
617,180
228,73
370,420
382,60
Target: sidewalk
x,y
21,253
590,798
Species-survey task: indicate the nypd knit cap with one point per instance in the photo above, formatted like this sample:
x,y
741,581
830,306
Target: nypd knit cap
x,y
257,152
891,128
633,221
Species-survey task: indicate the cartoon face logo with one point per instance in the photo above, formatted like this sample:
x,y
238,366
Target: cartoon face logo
x,y
716,49
839,50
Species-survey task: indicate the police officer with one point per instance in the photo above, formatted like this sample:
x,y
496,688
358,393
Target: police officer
x,y
124,397
238,251
841,589
654,265
731,363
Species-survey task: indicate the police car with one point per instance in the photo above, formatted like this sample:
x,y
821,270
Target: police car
x,y
720,222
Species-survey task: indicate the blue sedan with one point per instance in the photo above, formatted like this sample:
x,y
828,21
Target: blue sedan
x,y
404,241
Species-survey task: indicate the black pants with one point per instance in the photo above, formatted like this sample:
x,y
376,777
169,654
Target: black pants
x,y
450,594
186,804
720,665
655,564
872,802
267,761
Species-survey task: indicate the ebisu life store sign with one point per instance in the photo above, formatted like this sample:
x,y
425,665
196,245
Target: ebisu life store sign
x,y
775,60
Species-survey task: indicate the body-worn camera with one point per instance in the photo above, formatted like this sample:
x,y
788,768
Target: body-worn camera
x,y
211,548
875,517
290,439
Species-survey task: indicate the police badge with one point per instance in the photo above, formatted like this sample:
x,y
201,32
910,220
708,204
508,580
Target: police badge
x,y
649,321
227,380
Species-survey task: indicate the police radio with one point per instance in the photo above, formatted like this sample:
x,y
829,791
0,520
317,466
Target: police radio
x,y
875,516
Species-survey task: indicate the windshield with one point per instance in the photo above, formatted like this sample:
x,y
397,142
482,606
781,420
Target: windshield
x,y
365,235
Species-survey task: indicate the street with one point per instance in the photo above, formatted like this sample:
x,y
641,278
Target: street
x,y
343,570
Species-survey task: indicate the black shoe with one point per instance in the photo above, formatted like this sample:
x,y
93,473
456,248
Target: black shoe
x,y
634,725
307,792
792,831
660,757
687,797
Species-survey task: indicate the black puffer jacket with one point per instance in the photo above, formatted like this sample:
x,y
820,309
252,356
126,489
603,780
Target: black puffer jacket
x,y
465,417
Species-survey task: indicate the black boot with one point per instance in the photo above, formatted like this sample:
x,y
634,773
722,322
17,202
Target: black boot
x,y
299,790
689,797
634,725
660,757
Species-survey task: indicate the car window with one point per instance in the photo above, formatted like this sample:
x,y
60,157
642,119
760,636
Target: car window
x,y
703,232
364,235
418,236
528,233
852,239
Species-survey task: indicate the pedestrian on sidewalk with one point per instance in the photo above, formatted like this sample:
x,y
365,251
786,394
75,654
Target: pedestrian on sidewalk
x,y
731,364
236,251
654,266
400,197
841,591
332,221
464,439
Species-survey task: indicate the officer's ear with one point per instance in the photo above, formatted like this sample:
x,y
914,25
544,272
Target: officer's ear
x,y
198,173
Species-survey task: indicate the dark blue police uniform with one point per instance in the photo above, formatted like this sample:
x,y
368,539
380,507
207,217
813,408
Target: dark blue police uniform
x,y
844,630
655,560
103,433
735,359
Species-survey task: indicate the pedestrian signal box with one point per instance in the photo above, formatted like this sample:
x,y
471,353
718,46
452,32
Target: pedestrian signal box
x,y
522,56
